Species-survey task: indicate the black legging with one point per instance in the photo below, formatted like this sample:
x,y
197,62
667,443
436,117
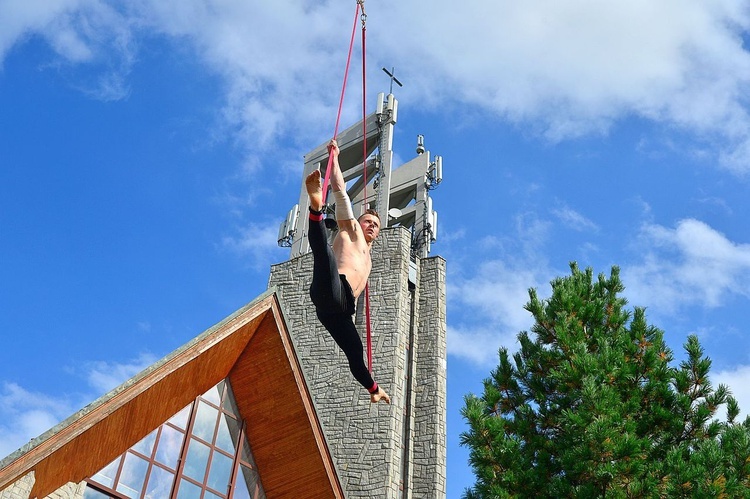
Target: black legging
x,y
334,303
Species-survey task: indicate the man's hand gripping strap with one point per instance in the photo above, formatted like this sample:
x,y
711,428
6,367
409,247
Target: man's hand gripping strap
x,y
343,206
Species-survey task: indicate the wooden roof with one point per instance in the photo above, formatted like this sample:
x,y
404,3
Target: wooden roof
x,y
253,348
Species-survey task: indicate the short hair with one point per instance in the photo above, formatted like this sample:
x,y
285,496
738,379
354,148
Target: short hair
x,y
370,211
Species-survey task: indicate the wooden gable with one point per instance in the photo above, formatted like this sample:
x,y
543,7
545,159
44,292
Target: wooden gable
x,y
254,349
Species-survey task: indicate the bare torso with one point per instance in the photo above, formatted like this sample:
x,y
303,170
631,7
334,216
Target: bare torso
x,y
353,257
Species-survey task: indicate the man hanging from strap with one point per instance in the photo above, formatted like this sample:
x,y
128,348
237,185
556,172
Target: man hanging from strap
x,y
340,274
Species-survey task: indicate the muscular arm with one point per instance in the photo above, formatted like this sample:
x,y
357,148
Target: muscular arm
x,y
350,245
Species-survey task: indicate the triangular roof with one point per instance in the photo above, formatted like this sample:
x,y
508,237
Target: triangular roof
x,y
253,348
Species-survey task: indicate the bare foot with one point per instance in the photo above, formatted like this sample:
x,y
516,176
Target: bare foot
x,y
380,395
314,190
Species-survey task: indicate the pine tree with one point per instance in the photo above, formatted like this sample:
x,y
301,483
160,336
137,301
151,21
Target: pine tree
x,y
589,406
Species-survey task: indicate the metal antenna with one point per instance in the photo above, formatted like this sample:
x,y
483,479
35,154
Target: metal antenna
x,y
393,78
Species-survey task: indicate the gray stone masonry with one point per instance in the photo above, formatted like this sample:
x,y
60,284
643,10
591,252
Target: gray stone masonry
x,y
69,491
430,451
376,455
21,489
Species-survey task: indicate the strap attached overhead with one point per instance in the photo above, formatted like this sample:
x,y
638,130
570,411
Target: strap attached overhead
x,y
343,91
326,180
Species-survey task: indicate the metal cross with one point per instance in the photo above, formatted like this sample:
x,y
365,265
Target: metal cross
x,y
393,78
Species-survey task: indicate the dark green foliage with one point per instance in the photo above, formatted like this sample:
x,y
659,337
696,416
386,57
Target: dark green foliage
x,y
590,406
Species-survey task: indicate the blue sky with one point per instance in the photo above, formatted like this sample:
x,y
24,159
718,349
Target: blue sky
x,y
149,150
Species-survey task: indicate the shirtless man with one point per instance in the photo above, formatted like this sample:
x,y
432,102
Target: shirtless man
x,y
340,275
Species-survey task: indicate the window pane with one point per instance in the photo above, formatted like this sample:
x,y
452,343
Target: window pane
x,y
90,493
247,482
240,490
132,476
229,430
159,483
213,395
220,472
180,419
211,495
169,446
228,404
196,460
146,446
106,476
188,490
247,455
205,422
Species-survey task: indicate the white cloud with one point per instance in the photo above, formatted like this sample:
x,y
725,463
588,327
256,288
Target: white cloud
x,y
78,31
576,67
498,291
686,266
26,414
562,68
738,381
258,242
282,61
104,376
486,296
531,230
574,220
489,308
718,204
450,235
20,18
479,345
690,265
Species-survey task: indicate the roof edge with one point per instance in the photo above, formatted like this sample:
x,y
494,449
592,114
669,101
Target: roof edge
x,y
37,443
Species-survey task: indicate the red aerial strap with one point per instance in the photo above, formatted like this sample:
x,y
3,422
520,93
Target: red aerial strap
x,y
364,170
364,147
341,104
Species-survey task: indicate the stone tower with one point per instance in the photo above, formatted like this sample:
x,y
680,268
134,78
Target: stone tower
x,y
396,451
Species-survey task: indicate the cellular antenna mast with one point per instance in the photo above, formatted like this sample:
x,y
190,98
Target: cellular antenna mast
x,y
393,78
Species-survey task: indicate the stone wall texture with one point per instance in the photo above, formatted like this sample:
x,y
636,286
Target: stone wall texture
x,y
383,451
21,489
69,491
431,383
